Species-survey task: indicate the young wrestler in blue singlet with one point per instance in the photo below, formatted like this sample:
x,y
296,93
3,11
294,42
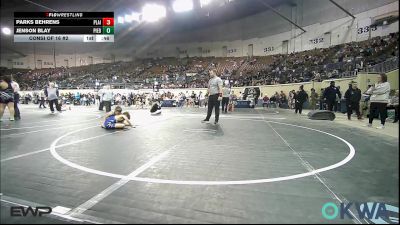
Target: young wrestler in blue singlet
x,y
117,119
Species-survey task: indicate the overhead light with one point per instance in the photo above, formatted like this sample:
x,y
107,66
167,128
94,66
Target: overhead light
x,y
120,19
135,16
6,30
182,5
128,18
153,12
204,2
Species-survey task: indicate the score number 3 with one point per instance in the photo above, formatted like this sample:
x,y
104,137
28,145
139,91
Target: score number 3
x,y
108,21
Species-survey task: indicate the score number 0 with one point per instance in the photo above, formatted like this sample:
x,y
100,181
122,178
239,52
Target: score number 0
x,y
108,25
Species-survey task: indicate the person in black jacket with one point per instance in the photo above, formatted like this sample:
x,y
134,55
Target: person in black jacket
x,y
300,97
330,95
353,97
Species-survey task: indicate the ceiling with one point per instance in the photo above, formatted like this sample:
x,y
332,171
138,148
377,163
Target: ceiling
x,y
220,11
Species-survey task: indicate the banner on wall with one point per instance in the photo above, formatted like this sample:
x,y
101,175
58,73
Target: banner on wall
x,y
251,92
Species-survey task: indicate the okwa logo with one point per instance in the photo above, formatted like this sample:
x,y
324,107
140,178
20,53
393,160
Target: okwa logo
x,y
378,213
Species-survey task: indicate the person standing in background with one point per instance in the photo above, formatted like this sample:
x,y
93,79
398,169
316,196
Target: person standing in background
x,y
206,100
42,99
338,106
225,98
100,97
52,95
322,100
27,98
379,100
301,96
313,99
331,93
233,100
201,99
353,98
17,113
256,96
6,97
291,99
364,105
394,104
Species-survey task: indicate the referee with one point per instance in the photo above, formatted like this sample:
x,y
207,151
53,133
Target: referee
x,y
15,86
214,96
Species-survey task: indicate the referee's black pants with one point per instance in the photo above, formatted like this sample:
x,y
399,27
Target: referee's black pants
x,y
17,114
353,106
213,103
298,107
52,103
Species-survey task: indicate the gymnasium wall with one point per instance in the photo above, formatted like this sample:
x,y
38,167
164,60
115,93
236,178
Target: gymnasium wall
x,y
362,79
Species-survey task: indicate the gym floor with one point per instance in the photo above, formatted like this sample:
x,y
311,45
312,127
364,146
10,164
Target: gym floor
x,y
256,166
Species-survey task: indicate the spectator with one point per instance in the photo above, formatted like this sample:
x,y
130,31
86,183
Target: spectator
x,y
6,97
201,99
42,97
394,104
379,100
301,96
337,105
225,98
16,89
313,99
265,101
52,95
353,97
322,100
331,94
291,100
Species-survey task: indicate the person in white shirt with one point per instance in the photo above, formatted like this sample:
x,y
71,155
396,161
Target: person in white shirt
x,y
201,99
379,100
15,86
100,97
394,104
225,98
52,95
187,98
42,99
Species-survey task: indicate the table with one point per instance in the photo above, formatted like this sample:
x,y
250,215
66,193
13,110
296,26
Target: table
x,y
243,104
168,103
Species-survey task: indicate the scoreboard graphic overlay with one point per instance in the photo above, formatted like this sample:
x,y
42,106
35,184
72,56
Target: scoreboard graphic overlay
x,y
63,26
